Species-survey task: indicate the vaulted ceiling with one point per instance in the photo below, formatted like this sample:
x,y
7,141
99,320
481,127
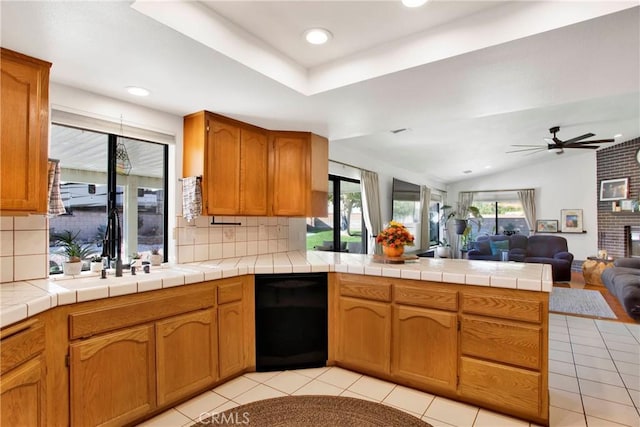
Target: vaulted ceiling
x,y
467,78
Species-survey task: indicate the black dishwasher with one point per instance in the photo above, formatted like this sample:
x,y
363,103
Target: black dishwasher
x,y
291,321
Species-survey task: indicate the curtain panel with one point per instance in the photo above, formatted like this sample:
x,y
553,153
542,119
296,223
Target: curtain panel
x,y
371,208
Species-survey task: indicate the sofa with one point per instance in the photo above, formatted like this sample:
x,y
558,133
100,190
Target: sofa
x,y
623,281
543,249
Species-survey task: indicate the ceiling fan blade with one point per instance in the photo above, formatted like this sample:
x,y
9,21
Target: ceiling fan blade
x,y
527,149
578,138
597,141
534,152
578,145
527,145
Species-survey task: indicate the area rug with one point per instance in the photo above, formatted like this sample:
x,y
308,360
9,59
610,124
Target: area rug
x,y
581,302
322,411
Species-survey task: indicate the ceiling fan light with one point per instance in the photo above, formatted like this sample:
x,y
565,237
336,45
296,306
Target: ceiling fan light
x,y
317,36
413,3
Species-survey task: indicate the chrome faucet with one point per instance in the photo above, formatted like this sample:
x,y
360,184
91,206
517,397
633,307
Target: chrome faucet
x,y
113,240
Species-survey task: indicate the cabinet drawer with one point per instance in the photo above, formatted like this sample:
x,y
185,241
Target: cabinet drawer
x,y
501,386
502,341
21,345
504,306
424,296
112,317
230,292
366,287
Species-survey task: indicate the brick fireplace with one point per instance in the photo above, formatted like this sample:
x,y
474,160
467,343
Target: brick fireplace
x,y
615,229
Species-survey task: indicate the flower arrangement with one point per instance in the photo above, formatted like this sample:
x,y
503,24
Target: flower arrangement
x,y
395,236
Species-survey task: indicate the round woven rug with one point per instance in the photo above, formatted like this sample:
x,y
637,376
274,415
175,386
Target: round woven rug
x,y
316,411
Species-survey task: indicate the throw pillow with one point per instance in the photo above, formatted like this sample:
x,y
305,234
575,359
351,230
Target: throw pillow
x,y
498,246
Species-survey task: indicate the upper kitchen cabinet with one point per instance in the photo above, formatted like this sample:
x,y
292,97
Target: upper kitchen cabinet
x,y
299,170
24,124
247,170
231,157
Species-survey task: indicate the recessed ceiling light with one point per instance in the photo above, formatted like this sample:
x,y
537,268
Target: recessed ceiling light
x,y
617,135
138,91
488,167
317,35
413,3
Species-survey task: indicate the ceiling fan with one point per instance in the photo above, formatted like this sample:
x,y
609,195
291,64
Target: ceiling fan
x,y
557,145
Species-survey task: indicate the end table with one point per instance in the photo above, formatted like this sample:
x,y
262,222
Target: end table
x,y
592,269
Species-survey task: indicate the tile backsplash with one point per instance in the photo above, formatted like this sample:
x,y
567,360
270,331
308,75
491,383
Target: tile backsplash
x,y
199,240
24,248
24,241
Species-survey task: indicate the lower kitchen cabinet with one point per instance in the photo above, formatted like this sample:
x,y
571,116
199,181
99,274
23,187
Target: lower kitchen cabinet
x,y
364,334
22,395
502,387
231,344
23,375
113,377
186,350
425,346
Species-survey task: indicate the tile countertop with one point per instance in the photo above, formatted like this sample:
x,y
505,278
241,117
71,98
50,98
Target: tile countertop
x,y
19,300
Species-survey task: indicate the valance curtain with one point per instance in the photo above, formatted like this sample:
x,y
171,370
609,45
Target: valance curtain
x,y
371,208
425,198
528,200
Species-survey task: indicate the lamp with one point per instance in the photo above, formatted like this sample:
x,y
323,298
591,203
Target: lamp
x,y
123,164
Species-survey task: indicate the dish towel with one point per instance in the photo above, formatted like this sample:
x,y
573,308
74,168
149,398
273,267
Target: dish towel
x,y
191,198
56,207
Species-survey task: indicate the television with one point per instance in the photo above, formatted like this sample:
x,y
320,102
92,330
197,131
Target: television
x,y
405,202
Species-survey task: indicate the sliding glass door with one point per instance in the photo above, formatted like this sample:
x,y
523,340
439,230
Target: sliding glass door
x,y
343,229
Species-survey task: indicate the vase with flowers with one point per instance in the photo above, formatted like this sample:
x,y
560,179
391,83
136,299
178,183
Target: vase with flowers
x,y
394,238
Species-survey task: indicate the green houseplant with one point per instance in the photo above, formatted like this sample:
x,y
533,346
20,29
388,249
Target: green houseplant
x,y
461,217
96,263
73,249
155,258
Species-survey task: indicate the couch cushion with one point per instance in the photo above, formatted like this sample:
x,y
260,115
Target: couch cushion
x,y
498,246
545,246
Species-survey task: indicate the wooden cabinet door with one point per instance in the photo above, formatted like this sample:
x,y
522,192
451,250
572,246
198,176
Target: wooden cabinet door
x,y
230,339
254,159
22,395
223,169
425,346
290,189
186,351
24,124
113,378
364,334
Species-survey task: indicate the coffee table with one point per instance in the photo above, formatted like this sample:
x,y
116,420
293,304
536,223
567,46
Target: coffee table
x,y
592,269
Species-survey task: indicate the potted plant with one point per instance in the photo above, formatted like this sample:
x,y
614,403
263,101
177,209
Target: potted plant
x,y
155,257
134,259
443,250
460,217
96,263
73,250
394,238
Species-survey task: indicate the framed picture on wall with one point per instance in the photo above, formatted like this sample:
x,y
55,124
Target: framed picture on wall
x,y
571,220
547,226
614,189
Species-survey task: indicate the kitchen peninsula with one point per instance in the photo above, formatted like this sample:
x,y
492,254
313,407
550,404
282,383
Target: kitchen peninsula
x,y
471,331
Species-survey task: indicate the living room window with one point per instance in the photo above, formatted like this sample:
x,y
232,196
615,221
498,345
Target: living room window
x,y
502,213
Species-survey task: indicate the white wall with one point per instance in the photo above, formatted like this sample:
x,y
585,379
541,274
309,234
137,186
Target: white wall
x,y
566,181
339,153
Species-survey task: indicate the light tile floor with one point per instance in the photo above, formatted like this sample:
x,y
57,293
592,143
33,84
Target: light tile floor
x,y
594,381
